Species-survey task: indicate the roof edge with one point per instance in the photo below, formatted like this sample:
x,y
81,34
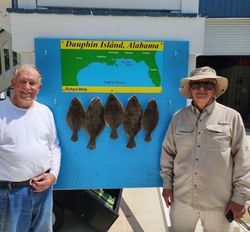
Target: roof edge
x,y
103,12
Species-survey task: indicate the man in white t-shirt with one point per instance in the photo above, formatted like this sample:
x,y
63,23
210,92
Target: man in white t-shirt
x,y
29,156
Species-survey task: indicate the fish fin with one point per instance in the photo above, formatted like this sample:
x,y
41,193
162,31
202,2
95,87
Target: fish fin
x,y
113,134
148,137
131,142
74,137
83,123
92,143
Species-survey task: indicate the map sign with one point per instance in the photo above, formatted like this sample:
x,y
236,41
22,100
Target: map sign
x,y
112,66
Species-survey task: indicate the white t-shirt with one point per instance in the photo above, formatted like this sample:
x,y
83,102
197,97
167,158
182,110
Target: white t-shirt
x,y
28,142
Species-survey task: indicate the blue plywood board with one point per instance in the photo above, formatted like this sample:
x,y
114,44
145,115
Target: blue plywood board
x,y
111,164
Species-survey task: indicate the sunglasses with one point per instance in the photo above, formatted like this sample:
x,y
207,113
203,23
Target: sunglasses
x,y
206,85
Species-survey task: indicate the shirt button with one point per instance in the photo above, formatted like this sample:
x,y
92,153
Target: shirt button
x,y
196,159
195,185
198,146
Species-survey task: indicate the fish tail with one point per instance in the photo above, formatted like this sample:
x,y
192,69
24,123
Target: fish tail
x,y
74,137
92,143
131,142
148,137
113,134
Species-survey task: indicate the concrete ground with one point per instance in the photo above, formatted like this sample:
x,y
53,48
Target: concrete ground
x,y
141,210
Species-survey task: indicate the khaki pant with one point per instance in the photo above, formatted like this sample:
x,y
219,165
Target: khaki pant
x,y
184,219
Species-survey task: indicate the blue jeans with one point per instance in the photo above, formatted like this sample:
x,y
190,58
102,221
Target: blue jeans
x,y
23,210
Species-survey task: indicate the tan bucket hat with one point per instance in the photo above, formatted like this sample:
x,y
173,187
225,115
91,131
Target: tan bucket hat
x,y
203,73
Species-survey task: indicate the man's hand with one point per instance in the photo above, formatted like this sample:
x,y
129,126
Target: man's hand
x,y
168,196
238,210
43,182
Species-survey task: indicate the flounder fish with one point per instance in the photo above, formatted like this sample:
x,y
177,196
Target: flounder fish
x,y
113,114
94,123
132,120
150,118
75,117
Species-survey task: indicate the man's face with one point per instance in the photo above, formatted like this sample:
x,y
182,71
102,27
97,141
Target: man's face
x,y
26,87
202,91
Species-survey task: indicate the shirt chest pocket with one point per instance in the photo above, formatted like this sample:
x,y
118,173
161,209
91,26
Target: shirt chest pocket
x,y
218,137
184,137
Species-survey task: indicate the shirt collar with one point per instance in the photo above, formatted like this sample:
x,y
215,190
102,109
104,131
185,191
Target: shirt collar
x,y
209,109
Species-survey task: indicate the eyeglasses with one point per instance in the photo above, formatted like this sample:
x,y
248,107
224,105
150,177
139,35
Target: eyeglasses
x,y
206,85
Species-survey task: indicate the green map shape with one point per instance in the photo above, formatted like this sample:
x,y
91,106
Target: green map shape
x,y
71,64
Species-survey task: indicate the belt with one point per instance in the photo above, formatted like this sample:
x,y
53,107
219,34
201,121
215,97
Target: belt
x,y
19,184
11,185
